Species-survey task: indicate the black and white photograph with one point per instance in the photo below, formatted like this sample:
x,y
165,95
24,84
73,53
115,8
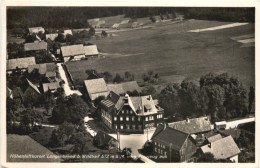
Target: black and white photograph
x,y
129,84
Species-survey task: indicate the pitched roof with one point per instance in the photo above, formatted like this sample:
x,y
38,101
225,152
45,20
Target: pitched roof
x,y
113,100
23,144
51,36
235,133
50,74
94,86
33,86
192,126
36,30
17,92
21,63
67,32
50,86
35,46
43,68
103,138
72,50
124,87
214,138
222,149
90,50
170,135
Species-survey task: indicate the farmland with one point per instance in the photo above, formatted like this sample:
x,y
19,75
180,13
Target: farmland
x,y
168,49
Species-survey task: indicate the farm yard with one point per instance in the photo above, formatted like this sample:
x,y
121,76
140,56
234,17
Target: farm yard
x,y
175,53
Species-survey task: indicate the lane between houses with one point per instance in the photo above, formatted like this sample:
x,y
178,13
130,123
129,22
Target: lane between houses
x,y
67,88
235,123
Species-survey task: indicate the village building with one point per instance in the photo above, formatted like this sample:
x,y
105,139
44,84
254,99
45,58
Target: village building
x,y
174,145
53,86
17,94
91,51
36,30
196,127
224,148
130,114
35,47
124,87
30,90
213,138
115,26
96,88
73,52
235,133
20,63
221,125
43,68
66,32
105,141
52,37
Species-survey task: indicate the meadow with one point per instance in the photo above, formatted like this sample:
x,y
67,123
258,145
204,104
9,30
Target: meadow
x,y
173,52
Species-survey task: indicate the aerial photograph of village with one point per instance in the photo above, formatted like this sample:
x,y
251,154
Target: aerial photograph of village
x,y
130,84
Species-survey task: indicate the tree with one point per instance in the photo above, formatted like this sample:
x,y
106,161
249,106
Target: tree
x,y
118,79
47,100
103,34
80,143
27,122
127,152
147,148
91,32
60,38
206,157
129,76
251,99
108,77
152,18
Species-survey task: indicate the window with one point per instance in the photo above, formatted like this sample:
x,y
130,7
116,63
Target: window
x,y
115,118
127,126
155,143
159,116
133,118
155,149
159,151
127,111
150,117
139,118
121,118
121,126
131,111
115,126
140,127
165,153
133,126
127,118
146,119
123,111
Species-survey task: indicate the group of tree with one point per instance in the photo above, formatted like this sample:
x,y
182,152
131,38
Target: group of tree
x,y
151,77
15,50
220,96
209,158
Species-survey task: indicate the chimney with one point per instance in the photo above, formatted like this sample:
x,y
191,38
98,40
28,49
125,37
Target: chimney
x,y
209,145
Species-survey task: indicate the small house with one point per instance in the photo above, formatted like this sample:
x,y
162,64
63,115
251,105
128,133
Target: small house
x,y
224,148
50,87
178,146
52,37
36,30
35,47
73,52
123,88
20,63
30,90
66,32
91,51
96,88
220,125
105,141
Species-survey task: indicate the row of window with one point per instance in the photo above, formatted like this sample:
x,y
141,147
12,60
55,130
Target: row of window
x,y
160,151
127,111
159,116
128,126
127,118
159,145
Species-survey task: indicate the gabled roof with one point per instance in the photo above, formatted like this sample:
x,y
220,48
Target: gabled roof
x,y
67,32
43,68
192,126
90,50
50,86
214,138
50,74
33,86
235,133
113,100
103,138
95,86
36,30
125,87
35,46
170,135
21,63
222,149
72,50
51,36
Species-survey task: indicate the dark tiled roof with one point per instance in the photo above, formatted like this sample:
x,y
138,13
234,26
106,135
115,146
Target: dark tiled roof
x,y
50,86
192,126
170,135
214,138
222,149
235,133
35,46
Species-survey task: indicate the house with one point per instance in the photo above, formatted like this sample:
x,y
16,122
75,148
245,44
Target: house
x,y
178,146
214,138
115,26
105,141
27,90
235,133
53,86
96,88
66,32
52,37
73,52
91,51
123,88
221,125
43,68
20,63
130,114
36,46
224,148
36,30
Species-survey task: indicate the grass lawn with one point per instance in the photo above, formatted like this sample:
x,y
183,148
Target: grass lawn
x,y
42,136
174,53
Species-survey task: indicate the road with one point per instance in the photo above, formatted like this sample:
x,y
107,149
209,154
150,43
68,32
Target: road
x,y
235,123
67,89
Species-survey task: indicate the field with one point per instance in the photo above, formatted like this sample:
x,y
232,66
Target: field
x,y
168,49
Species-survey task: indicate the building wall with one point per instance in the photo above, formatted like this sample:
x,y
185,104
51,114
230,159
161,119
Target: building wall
x,y
96,95
187,150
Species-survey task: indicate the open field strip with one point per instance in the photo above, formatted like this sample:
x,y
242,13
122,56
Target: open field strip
x,y
219,27
252,40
